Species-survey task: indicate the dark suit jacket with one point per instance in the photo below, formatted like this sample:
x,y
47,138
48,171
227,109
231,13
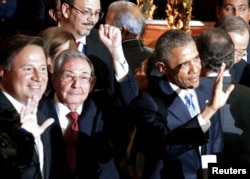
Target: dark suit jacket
x,y
33,170
165,162
135,52
241,71
101,59
99,118
237,145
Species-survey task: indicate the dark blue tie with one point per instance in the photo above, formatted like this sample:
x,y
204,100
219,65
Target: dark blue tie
x,y
83,47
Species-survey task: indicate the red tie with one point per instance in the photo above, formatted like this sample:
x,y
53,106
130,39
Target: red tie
x,y
71,139
77,44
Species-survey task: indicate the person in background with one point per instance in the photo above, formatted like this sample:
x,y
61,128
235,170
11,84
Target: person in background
x,y
192,126
215,47
79,17
56,40
128,17
99,111
236,8
233,8
54,9
238,29
24,77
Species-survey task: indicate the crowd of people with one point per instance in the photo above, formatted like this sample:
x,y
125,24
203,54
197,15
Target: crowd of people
x,y
85,101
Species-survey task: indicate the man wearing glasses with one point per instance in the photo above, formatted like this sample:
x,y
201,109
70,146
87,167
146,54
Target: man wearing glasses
x,y
79,17
242,52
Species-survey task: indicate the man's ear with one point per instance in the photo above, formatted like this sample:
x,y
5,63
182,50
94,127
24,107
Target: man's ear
x,y
52,14
218,12
65,10
249,16
1,71
161,67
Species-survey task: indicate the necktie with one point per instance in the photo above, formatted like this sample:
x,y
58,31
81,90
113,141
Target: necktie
x,y
190,104
71,136
82,45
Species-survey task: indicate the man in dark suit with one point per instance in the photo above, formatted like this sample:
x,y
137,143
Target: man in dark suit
x,y
23,81
238,29
179,154
235,113
99,112
79,17
129,18
240,70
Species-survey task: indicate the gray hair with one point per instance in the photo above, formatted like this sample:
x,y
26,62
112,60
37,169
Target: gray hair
x,y
129,15
234,24
67,55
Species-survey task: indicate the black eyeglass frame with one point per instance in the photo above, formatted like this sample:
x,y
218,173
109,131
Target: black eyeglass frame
x,y
88,13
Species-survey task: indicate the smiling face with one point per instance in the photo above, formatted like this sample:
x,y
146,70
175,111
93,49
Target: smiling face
x,y
184,67
72,93
76,22
27,75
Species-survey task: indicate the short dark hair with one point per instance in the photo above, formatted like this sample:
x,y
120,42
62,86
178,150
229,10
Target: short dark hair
x,y
221,2
14,44
169,40
215,47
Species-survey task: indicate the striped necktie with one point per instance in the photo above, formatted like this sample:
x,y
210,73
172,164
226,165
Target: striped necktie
x,y
190,105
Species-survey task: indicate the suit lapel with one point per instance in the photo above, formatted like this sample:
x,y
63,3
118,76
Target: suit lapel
x,y
87,117
177,112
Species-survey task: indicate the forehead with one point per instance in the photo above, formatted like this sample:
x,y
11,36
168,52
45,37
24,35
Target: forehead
x,y
74,64
91,4
240,39
30,53
184,51
235,2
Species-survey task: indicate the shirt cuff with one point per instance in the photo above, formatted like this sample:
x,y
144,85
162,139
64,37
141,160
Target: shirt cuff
x,y
204,124
121,71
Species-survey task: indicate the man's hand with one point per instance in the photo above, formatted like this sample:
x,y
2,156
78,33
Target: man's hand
x,y
219,97
110,36
112,39
28,117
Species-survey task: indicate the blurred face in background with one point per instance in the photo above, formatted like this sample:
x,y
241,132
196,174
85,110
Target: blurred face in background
x,y
81,16
234,8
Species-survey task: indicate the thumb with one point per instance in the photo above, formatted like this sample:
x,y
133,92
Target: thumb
x,y
46,124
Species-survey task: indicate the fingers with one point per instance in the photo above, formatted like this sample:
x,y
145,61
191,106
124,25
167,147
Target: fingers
x,y
29,109
220,74
229,89
46,124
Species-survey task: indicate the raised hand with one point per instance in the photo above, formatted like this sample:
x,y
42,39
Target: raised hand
x,y
111,37
219,97
28,117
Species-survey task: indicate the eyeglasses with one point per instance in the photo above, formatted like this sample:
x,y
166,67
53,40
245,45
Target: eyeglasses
x,y
87,13
68,77
240,53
